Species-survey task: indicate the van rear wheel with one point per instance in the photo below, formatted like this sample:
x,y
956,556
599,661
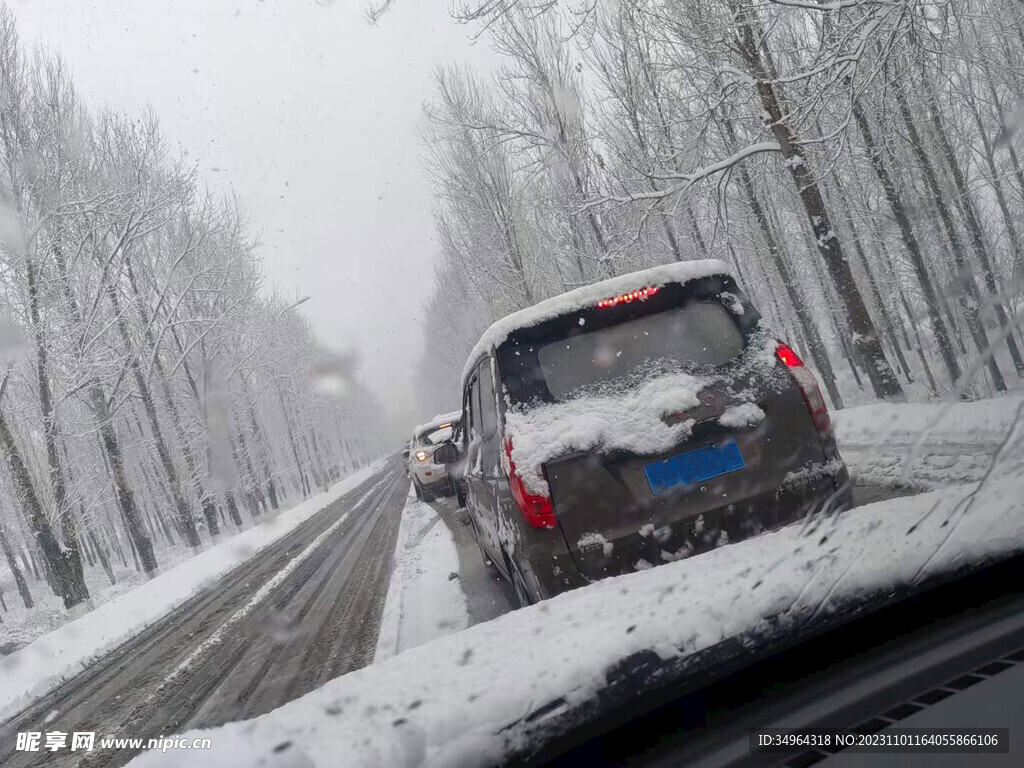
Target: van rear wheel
x,y
488,563
519,585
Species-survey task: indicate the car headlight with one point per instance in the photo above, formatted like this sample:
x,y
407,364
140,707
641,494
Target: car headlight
x,y
421,455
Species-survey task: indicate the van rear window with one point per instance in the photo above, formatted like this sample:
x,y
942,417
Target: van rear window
x,y
700,334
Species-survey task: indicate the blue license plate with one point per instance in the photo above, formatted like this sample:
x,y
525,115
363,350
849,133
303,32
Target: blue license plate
x,y
694,466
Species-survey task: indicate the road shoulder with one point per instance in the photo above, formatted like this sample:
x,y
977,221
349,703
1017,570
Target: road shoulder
x,y
487,594
425,598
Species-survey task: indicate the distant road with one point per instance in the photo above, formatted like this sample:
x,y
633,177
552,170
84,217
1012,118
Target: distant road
x,y
303,611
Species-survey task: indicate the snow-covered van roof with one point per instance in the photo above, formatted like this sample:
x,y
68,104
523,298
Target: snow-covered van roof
x,y
588,295
437,421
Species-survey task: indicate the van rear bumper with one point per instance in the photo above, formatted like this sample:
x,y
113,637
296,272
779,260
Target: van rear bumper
x,y
803,496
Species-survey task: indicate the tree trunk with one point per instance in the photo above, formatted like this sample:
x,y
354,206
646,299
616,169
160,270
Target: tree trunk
x,y
76,589
819,353
965,202
291,440
865,338
101,554
695,232
96,400
183,514
87,548
258,436
191,466
899,212
229,502
997,184
858,248
886,258
30,563
12,564
919,346
115,544
1001,116
66,584
318,457
140,542
242,459
971,302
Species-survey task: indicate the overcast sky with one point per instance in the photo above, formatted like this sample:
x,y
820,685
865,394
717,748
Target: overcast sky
x,y
311,115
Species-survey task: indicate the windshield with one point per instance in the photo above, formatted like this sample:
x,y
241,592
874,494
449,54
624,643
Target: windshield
x,y
700,334
720,303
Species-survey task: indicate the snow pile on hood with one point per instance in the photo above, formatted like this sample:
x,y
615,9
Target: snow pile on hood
x,y
588,295
477,697
629,421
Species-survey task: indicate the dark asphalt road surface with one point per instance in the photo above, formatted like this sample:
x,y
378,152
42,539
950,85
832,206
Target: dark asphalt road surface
x,y
305,610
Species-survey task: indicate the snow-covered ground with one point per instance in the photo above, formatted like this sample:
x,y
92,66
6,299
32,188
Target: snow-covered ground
x,y
983,421
22,625
924,445
66,650
467,699
425,599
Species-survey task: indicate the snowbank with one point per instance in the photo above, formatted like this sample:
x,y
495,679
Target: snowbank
x,y
588,296
984,421
423,602
474,698
47,661
926,445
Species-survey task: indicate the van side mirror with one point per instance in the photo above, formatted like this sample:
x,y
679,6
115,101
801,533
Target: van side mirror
x,y
405,453
446,453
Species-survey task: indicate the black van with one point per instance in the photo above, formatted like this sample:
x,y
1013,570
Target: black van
x,y
634,422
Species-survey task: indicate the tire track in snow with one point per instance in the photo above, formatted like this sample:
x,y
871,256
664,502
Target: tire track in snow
x,y
119,693
218,636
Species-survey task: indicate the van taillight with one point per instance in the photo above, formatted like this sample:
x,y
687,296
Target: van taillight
x,y
808,386
537,510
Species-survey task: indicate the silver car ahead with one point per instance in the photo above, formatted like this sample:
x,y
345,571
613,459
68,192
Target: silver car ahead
x,y
429,479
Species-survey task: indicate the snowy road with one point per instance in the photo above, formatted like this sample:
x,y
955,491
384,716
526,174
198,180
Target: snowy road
x,y
305,610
